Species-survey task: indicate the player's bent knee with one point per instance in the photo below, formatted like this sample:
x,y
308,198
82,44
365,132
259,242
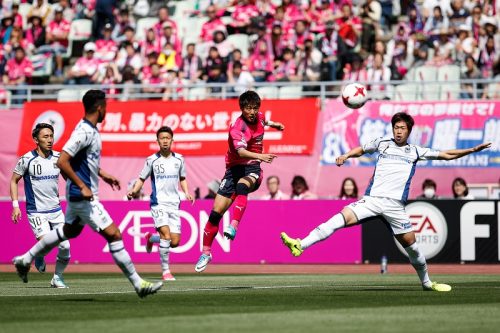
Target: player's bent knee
x,y
349,216
242,189
174,243
214,217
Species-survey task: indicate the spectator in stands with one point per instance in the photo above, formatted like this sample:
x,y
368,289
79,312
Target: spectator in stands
x,y
320,16
129,58
150,44
106,47
123,23
415,21
6,29
213,24
349,189
421,57
460,189
300,189
443,50
261,64
379,75
401,61
68,12
103,14
168,58
151,59
328,45
175,89
191,66
237,57
16,17
428,190
216,74
309,62
18,71
277,40
488,56
129,38
429,6
16,40
260,37
40,8
164,17
292,12
463,38
273,188
213,59
286,25
299,36
240,79
85,68
110,78
57,39
242,16
436,23
475,21
169,37
35,35
468,91
370,14
129,80
286,70
156,81
224,46
458,14
354,71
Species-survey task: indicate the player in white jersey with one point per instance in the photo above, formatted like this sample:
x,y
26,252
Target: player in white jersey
x,y
38,168
387,193
79,161
167,170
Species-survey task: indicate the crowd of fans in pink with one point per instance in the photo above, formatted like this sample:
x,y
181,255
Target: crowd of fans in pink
x,y
296,40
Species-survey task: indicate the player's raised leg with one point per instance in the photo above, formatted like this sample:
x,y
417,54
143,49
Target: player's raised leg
x,y
417,260
243,188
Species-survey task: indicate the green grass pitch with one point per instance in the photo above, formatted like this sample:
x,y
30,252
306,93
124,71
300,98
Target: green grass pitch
x,y
251,303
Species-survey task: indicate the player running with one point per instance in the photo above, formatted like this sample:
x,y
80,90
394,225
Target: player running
x,y
79,161
243,173
387,193
166,169
40,173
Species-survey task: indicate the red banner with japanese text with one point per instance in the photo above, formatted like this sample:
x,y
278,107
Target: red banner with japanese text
x,y
200,127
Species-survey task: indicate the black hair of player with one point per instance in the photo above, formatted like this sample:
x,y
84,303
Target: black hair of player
x,y
92,99
39,127
164,129
249,99
401,116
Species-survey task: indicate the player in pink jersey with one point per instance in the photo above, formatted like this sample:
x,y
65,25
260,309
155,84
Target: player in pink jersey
x,y
243,173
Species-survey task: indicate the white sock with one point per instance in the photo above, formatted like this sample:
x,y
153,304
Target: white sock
x,y
43,246
155,239
418,262
122,259
164,254
323,231
63,256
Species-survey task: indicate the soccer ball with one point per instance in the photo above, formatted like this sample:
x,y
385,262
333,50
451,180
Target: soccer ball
x,y
354,95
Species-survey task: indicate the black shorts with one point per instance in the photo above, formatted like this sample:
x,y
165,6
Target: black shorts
x,y
227,186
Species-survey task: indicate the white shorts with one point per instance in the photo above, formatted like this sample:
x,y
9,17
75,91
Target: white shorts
x,y
42,223
167,216
391,209
91,213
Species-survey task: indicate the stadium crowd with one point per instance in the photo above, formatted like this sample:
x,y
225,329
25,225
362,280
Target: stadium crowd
x,y
291,40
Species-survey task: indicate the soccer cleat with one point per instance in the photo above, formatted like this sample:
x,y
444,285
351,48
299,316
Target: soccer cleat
x,y
167,276
40,264
230,232
440,287
21,268
148,288
203,262
292,244
58,282
149,243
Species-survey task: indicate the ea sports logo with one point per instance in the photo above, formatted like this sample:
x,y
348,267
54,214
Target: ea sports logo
x,y
53,118
430,228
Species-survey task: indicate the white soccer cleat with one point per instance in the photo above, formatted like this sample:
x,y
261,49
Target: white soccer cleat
x,y
58,282
167,276
203,262
21,268
148,288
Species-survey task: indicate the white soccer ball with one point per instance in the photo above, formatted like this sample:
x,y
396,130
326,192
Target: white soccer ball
x,y
354,95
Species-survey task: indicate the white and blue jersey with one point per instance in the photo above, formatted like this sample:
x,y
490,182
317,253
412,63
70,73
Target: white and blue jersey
x,y
41,178
84,146
395,167
165,173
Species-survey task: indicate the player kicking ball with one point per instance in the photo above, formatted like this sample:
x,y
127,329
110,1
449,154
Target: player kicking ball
x,y
167,170
387,193
243,173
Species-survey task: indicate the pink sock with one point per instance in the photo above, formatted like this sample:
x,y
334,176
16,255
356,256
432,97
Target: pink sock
x,y
240,204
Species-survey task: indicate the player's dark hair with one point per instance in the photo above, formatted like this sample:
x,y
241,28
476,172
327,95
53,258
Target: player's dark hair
x,y
354,194
461,181
92,99
401,116
428,183
39,127
164,129
249,99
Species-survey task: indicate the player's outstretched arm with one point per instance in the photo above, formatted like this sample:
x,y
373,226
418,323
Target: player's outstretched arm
x,y
64,164
356,152
185,189
273,124
14,195
268,158
109,179
453,154
134,192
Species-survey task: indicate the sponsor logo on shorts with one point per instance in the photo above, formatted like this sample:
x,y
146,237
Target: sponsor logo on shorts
x,y
254,175
429,226
222,184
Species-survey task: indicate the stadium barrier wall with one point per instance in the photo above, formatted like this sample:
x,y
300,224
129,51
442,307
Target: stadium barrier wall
x,y
258,239
448,231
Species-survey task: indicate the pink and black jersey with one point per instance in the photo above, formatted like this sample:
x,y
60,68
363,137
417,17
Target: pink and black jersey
x,y
245,135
